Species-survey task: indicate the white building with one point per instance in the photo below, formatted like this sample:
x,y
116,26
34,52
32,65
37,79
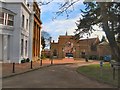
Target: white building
x,y
15,27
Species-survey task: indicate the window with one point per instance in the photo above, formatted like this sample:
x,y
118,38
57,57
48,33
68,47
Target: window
x,y
1,18
26,48
23,18
22,47
26,24
10,20
6,19
93,47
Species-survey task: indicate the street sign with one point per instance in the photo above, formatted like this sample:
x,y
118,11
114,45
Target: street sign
x,y
101,63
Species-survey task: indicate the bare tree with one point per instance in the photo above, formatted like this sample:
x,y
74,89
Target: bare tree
x,y
45,39
104,14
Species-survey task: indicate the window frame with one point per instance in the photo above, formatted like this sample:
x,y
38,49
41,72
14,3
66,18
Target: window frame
x,y
22,47
2,17
11,20
23,20
6,19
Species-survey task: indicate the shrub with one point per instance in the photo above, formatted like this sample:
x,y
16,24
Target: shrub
x,y
101,57
43,56
93,57
27,60
23,61
90,57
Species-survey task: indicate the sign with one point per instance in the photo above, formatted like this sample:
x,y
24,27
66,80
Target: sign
x,y
101,63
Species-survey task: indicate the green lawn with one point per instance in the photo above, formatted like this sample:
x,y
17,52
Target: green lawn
x,y
105,74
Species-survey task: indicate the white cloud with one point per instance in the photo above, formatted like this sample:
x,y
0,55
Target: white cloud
x,y
59,27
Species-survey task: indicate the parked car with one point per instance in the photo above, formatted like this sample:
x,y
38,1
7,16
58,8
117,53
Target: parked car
x,y
107,58
69,54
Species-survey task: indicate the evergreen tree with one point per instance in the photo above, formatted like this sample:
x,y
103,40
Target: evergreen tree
x,y
107,16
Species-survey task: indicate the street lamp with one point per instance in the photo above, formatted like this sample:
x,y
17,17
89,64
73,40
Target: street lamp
x,y
62,52
75,51
51,53
86,57
40,55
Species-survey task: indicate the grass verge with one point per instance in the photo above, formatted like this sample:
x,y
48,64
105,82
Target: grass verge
x,y
104,74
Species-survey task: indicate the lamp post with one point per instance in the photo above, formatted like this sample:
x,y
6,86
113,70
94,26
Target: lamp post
x,y
40,56
51,53
75,52
62,52
86,56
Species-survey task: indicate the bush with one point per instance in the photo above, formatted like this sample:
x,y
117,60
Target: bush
x,y
43,56
23,61
101,58
90,57
27,60
93,57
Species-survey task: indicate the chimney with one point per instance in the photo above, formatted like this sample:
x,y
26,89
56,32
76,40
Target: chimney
x,y
53,41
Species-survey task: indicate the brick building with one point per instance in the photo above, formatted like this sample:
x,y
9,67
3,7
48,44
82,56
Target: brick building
x,y
68,46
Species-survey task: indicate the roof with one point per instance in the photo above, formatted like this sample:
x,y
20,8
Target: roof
x,y
88,39
7,10
104,43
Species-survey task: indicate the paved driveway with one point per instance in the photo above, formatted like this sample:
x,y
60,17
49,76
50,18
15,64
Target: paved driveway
x,y
58,76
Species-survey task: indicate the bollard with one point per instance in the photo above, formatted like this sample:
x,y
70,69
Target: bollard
x,y
13,68
51,61
40,62
113,73
86,59
101,67
31,65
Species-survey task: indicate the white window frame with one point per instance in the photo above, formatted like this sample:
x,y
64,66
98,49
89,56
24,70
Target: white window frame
x,y
10,20
5,21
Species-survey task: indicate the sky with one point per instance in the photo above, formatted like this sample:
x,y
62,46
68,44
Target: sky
x,y
61,24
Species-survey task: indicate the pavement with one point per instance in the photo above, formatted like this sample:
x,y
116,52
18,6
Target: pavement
x,y
7,68
55,76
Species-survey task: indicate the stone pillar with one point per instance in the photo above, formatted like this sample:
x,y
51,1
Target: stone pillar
x,y
40,42
30,47
5,47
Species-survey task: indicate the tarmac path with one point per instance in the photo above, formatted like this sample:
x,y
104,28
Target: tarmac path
x,y
56,76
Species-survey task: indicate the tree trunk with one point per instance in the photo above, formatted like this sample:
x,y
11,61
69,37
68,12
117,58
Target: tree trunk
x,y
111,38
109,34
